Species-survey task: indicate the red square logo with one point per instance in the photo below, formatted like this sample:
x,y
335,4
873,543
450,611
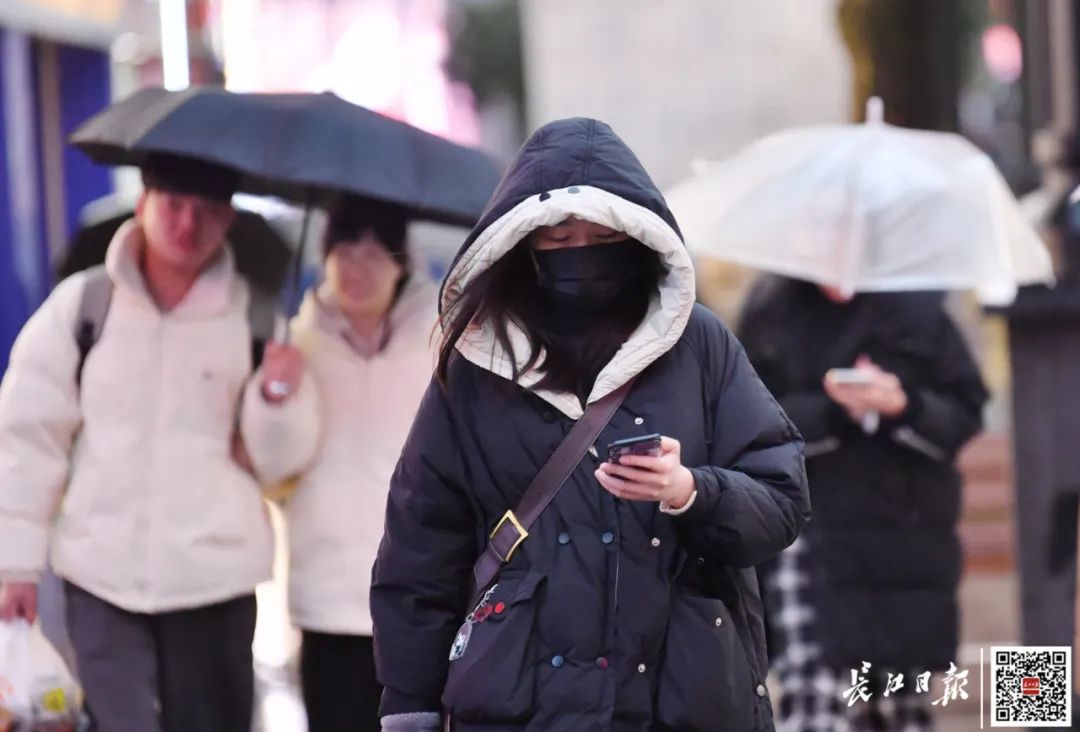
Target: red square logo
x,y
1030,685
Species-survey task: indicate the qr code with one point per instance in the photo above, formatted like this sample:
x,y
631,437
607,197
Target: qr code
x,y
1031,686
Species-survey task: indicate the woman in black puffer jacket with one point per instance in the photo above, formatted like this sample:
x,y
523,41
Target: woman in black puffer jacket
x,y
874,577
632,605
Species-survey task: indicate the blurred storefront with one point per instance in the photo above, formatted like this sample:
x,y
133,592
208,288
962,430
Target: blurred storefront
x,y
54,72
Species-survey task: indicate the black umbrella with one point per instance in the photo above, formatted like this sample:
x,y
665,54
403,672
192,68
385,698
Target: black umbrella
x,y
262,255
298,146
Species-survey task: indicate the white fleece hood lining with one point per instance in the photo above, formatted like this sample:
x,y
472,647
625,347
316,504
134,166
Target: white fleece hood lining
x,y
664,321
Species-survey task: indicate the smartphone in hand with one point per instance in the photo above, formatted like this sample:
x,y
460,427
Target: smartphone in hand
x,y
850,377
644,445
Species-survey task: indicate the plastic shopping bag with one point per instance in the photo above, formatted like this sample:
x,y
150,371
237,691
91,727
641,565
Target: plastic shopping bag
x,y
37,691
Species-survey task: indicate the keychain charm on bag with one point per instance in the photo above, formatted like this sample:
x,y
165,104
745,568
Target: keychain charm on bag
x,y
461,640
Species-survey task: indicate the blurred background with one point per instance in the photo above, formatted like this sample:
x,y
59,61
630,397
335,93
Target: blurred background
x,y
680,82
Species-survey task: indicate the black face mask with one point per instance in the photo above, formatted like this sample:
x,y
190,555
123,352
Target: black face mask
x,y
587,278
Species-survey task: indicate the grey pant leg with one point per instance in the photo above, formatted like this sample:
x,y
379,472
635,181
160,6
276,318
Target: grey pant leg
x,y
53,618
117,660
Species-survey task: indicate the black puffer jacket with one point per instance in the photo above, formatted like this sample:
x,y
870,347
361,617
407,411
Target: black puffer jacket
x,y
883,558
580,644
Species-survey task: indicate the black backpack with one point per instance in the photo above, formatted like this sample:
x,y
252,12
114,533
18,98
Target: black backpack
x,y
94,308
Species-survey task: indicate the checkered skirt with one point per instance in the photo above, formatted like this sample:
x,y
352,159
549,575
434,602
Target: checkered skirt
x,y
811,693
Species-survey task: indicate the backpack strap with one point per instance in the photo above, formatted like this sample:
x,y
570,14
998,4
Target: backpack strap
x,y
93,309
262,317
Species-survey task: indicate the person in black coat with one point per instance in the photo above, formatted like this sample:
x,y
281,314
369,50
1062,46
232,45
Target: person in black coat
x,y
574,282
874,577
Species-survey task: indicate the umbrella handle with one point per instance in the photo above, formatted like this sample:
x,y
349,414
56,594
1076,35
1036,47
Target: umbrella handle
x,y
875,111
870,422
298,262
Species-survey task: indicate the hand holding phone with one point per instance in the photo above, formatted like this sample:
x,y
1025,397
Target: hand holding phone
x,y
647,468
866,389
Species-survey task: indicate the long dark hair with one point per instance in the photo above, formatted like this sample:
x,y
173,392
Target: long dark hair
x,y
508,291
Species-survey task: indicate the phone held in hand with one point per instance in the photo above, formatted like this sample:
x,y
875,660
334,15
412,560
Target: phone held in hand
x,y
850,377
648,445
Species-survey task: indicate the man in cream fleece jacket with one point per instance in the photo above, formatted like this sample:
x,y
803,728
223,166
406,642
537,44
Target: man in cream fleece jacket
x,y
142,484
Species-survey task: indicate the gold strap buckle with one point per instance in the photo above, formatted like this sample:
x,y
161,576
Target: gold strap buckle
x,y
510,518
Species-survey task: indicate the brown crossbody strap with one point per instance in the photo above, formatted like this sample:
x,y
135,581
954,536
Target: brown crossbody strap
x,y
514,526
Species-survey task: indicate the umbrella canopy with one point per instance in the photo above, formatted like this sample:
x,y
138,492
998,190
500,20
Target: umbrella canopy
x,y
262,255
298,146
868,208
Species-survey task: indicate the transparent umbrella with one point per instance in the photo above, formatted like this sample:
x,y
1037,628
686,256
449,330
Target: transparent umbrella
x,y
865,208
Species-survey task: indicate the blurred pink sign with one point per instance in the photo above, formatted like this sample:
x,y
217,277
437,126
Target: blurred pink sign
x,y
387,55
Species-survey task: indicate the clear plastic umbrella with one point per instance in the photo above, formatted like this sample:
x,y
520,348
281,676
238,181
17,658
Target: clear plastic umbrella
x,y
865,208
